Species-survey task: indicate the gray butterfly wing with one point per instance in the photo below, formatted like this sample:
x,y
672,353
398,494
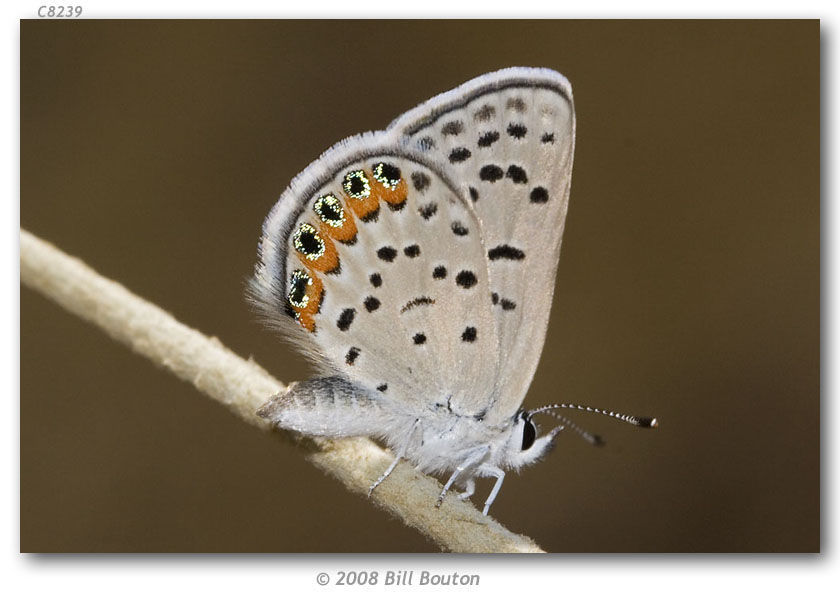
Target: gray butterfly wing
x,y
507,139
378,266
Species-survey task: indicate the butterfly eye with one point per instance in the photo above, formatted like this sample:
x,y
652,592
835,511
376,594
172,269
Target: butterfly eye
x,y
529,434
387,174
297,288
308,242
329,210
357,185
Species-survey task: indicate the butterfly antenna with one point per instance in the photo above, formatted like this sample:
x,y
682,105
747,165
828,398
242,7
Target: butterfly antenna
x,y
646,422
592,438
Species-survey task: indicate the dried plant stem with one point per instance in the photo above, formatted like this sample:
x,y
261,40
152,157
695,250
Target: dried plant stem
x,y
243,386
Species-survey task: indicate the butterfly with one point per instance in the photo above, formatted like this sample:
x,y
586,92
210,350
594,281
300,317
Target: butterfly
x,y
415,266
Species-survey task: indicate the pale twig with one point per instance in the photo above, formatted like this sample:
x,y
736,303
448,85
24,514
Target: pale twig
x,y
243,386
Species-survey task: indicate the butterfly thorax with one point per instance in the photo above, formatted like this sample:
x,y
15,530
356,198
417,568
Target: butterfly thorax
x,y
443,442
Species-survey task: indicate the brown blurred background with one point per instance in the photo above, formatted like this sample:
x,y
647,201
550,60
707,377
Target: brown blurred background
x,y
688,285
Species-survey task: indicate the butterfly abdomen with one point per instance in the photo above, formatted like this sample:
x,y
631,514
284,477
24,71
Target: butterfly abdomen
x,y
325,406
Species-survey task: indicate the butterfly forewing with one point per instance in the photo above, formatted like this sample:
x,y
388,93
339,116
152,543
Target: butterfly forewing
x,y
385,271
508,142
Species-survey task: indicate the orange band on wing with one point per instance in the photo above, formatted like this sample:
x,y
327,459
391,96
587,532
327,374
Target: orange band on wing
x,y
305,294
314,250
336,220
326,263
306,315
345,233
363,207
394,197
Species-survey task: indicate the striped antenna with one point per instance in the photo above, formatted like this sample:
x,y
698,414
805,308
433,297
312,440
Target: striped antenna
x,y
593,439
647,422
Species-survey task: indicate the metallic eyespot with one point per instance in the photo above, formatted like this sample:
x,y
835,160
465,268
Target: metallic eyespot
x,y
308,242
357,185
329,210
297,288
387,174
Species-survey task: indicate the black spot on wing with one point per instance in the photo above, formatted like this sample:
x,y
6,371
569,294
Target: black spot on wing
x,y
539,195
459,155
420,181
382,387
387,253
517,130
412,251
427,211
376,279
508,304
547,138
487,139
309,241
469,334
491,173
352,355
452,128
439,272
398,206
505,252
297,291
459,229
485,113
336,270
517,174
372,303
466,279
419,338
504,302
517,104
356,184
371,216
473,194
387,174
345,319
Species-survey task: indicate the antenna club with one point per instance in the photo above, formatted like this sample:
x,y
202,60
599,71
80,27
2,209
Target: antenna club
x,y
650,422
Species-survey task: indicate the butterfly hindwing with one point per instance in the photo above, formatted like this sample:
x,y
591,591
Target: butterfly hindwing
x,y
380,265
507,139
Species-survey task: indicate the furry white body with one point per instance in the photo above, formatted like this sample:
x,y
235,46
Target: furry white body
x,y
438,443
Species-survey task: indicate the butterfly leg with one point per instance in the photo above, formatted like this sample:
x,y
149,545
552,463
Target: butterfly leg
x,y
471,460
469,489
500,477
396,460
387,472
